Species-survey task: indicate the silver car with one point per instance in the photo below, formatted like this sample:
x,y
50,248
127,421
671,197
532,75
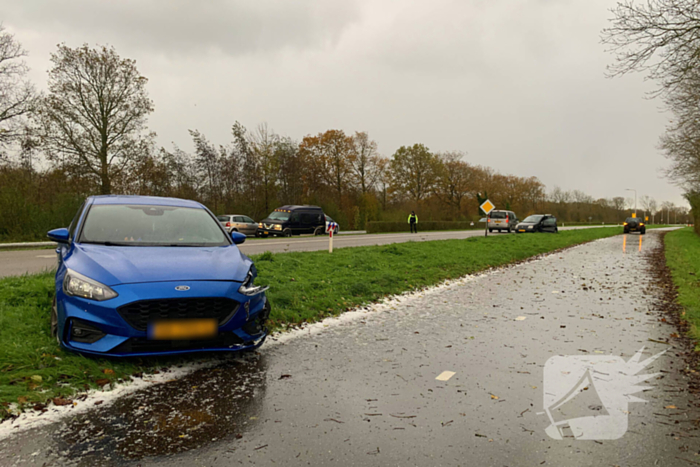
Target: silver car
x,y
239,223
502,220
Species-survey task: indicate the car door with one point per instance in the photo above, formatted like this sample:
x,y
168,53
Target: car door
x,y
295,222
549,224
250,226
238,224
306,222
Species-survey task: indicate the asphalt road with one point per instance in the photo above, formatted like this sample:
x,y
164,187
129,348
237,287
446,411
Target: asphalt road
x,y
367,391
32,261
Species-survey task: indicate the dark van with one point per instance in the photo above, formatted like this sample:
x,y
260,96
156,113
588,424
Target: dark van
x,y
293,220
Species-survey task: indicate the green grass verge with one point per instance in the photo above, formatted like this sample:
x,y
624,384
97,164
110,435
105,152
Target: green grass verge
x,y
683,259
305,287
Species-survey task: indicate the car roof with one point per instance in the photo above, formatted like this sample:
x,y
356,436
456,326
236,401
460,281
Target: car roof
x,y
293,207
146,200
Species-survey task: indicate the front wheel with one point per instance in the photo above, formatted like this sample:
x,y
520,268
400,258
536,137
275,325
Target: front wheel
x,y
491,230
54,321
287,233
643,231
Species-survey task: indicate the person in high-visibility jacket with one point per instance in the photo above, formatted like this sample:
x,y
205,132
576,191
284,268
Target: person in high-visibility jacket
x,y
413,222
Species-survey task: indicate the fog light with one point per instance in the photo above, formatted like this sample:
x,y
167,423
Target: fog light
x,y
81,331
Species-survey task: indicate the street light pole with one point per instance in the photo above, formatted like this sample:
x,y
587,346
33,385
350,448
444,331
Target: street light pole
x,y
635,199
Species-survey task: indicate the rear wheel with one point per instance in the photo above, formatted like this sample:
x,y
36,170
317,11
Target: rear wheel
x,y
287,233
643,231
318,231
491,230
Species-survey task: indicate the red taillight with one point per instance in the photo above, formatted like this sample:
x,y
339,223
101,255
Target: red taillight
x,y
507,217
228,224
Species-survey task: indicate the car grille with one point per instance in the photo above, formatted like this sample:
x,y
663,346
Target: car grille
x,y
268,226
144,345
139,314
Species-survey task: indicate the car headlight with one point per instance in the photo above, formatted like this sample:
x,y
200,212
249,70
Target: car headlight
x,y
278,226
247,287
260,225
529,228
77,285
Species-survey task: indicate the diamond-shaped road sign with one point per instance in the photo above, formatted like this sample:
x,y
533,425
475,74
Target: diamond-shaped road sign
x,y
487,207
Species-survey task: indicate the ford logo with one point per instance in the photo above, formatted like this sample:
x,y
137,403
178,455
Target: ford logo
x,y
182,288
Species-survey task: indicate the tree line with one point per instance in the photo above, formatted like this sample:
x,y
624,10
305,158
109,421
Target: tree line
x,y
88,134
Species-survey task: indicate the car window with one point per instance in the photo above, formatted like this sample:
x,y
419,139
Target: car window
x,y
534,219
632,219
550,222
223,218
307,218
279,216
238,219
498,215
248,220
145,225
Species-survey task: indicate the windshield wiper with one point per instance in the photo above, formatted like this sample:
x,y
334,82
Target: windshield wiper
x,y
107,243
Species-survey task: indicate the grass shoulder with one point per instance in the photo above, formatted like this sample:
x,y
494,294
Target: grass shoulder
x,y
683,259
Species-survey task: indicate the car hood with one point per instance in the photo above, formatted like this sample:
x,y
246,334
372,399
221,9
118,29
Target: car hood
x,y
112,265
272,221
526,224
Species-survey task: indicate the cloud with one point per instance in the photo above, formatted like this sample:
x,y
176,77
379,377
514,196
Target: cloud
x,y
178,27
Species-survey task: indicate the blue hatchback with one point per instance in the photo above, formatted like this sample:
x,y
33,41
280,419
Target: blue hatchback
x,y
140,275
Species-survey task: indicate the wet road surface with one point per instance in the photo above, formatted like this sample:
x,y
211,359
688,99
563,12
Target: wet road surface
x,y
365,392
33,261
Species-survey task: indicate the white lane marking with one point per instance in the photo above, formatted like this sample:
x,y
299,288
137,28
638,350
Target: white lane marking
x,y
521,318
445,375
46,256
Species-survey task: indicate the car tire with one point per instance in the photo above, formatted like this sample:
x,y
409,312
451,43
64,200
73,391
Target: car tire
x,y
626,231
54,321
287,233
643,232
319,231
491,230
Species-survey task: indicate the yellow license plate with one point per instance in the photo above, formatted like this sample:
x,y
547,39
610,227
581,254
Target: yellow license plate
x,y
183,329
521,231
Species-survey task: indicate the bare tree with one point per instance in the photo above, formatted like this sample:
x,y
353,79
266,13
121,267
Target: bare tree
x,y
659,37
17,94
94,118
364,161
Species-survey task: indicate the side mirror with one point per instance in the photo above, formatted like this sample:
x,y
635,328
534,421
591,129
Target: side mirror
x,y
237,237
59,235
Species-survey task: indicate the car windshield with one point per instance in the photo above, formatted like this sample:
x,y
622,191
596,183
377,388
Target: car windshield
x,y
498,215
533,219
223,218
632,219
279,216
141,225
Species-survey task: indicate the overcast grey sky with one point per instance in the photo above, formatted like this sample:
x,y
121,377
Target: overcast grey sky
x,y
518,84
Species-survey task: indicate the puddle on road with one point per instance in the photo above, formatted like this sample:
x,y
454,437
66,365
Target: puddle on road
x,y
207,405
632,243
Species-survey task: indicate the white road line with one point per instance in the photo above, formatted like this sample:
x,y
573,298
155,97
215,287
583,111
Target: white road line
x,y
46,256
445,375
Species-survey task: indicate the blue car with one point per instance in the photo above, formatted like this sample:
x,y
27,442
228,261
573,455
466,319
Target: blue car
x,y
142,276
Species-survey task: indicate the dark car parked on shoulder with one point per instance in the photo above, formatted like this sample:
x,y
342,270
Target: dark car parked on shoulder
x,y
293,220
538,223
634,224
